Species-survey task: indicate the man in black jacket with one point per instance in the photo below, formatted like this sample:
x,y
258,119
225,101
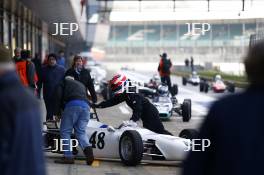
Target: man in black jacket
x,y
83,75
234,126
71,96
20,128
142,108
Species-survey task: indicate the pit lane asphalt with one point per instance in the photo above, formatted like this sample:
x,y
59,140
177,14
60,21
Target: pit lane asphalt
x,y
114,116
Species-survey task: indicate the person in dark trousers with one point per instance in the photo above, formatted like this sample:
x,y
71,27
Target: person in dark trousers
x,y
52,75
186,62
72,97
192,64
61,59
142,108
164,70
81,74
38,66
234,127
20,129
26,69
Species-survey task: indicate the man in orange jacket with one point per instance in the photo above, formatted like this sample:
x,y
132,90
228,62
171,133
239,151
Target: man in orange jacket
x,y
164,70
26,70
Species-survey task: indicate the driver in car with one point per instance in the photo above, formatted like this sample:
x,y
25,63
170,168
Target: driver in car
x,y
218,77
142,108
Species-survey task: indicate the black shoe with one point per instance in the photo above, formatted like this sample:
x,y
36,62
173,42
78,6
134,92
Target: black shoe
x,y
88,152
65,160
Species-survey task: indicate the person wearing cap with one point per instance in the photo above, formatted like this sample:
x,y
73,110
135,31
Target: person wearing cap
x,y
26,69
142,109
20,128
234,126
52,75
164,70
71,97
81,74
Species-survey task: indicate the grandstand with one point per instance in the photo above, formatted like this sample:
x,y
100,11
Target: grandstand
x,y
144,37
227,40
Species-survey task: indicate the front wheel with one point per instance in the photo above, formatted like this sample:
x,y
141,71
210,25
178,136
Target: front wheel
x,y
131,148
189,134
206,87
201,86
186,110
231,88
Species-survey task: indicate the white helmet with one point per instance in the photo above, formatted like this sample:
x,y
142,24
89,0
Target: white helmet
x,y
218,77
163,89
194,73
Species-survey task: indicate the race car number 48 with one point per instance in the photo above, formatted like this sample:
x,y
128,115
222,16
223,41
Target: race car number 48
x,y
99,142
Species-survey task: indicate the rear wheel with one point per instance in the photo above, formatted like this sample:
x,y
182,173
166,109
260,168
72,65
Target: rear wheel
x,y
186,110
184,81
174,90
131,148
189,134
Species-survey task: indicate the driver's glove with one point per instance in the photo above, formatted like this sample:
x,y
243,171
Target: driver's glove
x,y
130,123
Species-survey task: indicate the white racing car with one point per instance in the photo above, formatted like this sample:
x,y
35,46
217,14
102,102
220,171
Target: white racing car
x,y
193,79
166,104
128,142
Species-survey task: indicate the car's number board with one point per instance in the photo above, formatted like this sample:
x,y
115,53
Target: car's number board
x,y
100,140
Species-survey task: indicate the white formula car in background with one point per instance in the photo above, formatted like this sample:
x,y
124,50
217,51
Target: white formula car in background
x,y
128,142
166,104
193,79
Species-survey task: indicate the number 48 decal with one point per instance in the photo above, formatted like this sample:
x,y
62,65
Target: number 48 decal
x,y
100,140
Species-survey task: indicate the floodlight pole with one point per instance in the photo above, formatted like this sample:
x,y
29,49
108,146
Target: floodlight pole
x,y
208,5
243,5
174,5
139,5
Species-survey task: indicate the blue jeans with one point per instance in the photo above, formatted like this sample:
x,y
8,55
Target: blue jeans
x,y
77,118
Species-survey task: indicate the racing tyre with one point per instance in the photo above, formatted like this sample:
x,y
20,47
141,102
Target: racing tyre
x,y
201,86
189,134
186,110
184,81
48,139
231,88
131,148
174,90
206,87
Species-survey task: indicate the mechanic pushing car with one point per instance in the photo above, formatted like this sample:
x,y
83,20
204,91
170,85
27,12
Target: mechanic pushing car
x,y
142,108
71,95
